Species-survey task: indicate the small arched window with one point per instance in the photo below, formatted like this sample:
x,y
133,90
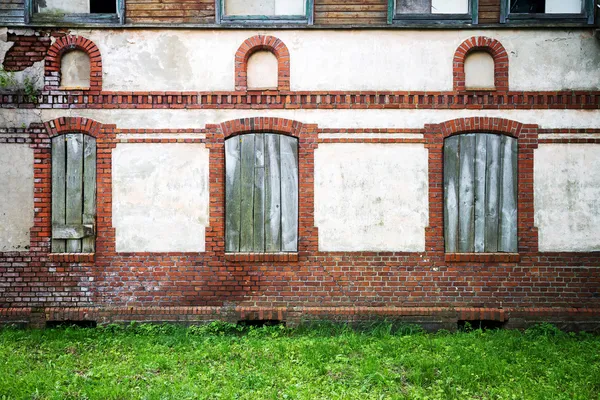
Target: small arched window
x,y
73,193
75,70
262,70
480,193
261,193
479,71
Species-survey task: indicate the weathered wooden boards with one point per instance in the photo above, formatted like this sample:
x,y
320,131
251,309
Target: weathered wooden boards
x,y
480,193
73,193
261,190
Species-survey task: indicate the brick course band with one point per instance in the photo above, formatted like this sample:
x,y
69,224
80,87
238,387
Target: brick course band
x,y
270,100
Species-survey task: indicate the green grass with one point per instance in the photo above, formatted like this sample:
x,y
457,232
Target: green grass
x,y
219,361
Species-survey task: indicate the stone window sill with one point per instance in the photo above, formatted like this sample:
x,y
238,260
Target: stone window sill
x,y
483,257
73,257
261,257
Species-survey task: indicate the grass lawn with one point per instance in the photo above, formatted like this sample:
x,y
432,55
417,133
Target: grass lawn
x,y
219,362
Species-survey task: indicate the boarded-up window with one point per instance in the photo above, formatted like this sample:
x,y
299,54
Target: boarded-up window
x,y
264,7
432,6
261,191
480,193
73,193
75,70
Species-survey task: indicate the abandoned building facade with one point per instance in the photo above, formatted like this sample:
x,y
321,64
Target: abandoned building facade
x,y
422,161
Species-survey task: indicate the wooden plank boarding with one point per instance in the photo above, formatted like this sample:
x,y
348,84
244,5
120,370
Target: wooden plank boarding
x,y
480,169
89,190
59,159
247,194
259,194
451,165
289,193
466,195
507,227
233,190
74,192
272,193
492,193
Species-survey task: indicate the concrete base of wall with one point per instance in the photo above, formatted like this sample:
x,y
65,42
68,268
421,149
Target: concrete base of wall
x,y
430,318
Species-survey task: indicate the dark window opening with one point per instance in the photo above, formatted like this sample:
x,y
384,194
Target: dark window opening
x,y
527,6
71,323
103,7
259,323
483,324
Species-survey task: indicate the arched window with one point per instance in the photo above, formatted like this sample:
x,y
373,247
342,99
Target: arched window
x,y
73,193
479,71
75,70
480,193
261,193
262,70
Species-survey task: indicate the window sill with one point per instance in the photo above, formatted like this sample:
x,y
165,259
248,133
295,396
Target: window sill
x,y
483,257
73,257
261,257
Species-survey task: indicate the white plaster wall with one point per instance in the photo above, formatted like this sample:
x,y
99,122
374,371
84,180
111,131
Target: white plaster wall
x,y
342,60
16,196
160,197
181,119
262,70
371,197
567,196
479,70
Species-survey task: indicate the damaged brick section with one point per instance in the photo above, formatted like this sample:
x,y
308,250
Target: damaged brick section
x,y
28,49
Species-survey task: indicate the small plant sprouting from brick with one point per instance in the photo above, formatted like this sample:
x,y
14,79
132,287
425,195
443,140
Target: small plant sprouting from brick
x,y
28,88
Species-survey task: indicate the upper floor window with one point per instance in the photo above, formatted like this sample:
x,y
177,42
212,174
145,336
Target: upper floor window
x,y
98,11
265,11
548,10
432,11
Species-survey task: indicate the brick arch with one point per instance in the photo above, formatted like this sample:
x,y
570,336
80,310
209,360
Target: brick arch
x,y
527,141
64,45
481,124
491,46
62,125
262,43
261,124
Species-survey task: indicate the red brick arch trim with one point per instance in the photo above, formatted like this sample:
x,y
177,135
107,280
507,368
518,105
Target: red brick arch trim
x,y
481,124
261,124
527,142
64,45
262,43
489,45
64,125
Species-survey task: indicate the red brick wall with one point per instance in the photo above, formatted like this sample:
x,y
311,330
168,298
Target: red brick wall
x,y
430,286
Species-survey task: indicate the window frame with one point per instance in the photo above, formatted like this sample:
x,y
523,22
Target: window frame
x,y
117,18
586,16
471,17
306,19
